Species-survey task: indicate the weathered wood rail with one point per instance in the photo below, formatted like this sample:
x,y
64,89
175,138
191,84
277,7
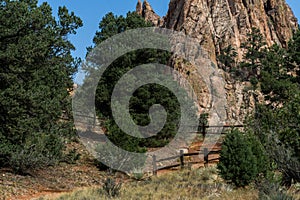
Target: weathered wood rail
x,y
182,163
202,129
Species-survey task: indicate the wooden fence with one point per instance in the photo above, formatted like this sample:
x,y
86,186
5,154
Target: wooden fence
x,y
181,156
201,130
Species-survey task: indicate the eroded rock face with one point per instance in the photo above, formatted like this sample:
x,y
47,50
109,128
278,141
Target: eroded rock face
x,y
145,10
217,24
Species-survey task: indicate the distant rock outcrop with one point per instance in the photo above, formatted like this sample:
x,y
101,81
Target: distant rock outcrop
x,y
145,10
217,24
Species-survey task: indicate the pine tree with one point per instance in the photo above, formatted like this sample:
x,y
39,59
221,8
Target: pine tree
x,y
35,80
276,123
242,158
144,97
275,69
294,49
227,59
254,49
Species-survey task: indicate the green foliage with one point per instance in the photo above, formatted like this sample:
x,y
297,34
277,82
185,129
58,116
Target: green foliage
x,y
271,189
141,101
36,152
71,157
138,175
203,121
111,187
35,75
280,67
278,131
263,162
255,51
294,50
227,58
276,123
277,70
122,139
242,158
111,25
144,97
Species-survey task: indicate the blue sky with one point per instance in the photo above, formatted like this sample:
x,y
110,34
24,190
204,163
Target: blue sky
x,y
92,11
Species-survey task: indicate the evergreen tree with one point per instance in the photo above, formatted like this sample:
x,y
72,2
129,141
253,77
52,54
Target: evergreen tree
x,y
254,49
227,59
275,69
144,97
278,131
111,25
35,80
276,123
242,158
294,50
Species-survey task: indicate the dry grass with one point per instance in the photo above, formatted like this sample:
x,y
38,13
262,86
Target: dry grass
x,y
185,185
54,179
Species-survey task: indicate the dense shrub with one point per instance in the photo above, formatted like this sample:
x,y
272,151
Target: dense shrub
x,y
242,158
271,189
36,152
111,187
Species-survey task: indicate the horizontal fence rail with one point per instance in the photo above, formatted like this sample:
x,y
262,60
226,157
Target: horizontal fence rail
x,y
182,163
201,129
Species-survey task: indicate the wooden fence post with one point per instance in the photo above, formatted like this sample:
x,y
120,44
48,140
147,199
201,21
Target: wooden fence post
x,y
203,130
181,159
154,165
205,157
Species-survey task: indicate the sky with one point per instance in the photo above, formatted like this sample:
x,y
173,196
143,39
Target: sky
x,y
92,11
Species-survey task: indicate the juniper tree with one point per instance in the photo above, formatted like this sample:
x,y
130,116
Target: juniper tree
x,y
276,122
144,97
35,80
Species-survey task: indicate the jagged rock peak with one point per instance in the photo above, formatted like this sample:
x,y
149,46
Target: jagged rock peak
x,y
146,11
219,23
216,24
139,7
